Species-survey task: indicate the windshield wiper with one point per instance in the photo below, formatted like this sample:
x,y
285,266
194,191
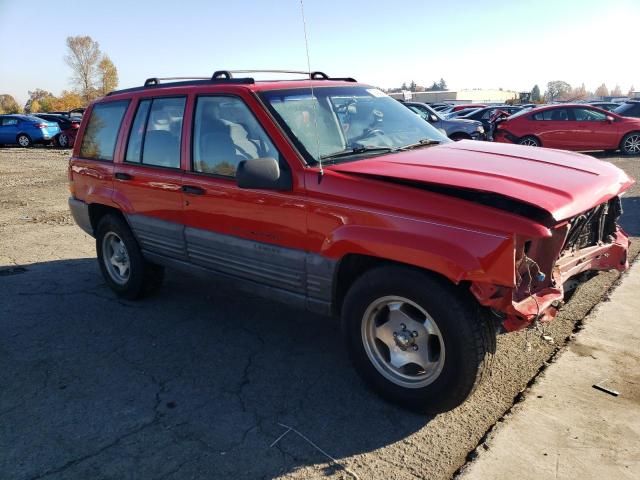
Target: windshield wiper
x,y
357,150
421,143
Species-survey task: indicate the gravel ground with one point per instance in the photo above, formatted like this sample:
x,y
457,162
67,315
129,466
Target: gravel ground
x,y
199,382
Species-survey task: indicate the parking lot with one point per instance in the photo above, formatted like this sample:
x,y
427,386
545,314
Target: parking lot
x,y
200,381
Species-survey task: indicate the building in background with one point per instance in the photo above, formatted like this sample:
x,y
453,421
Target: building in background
x,y
459,96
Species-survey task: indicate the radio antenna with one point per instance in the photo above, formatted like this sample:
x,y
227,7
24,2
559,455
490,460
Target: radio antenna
x,y
313,97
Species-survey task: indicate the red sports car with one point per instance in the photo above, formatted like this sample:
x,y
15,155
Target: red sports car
x,y
571,127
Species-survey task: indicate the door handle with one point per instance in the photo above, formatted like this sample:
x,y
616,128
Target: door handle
x,y
123,176
193,190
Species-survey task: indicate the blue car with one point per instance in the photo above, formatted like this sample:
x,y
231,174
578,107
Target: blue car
x,y
26,130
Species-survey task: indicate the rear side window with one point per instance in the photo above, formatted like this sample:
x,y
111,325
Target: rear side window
x,y
7,121
557,114
156,133
99,141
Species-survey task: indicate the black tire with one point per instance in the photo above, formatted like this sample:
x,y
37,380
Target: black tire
x,y
62,140
456,137
530,141
630,144
468,336
143,278
24,140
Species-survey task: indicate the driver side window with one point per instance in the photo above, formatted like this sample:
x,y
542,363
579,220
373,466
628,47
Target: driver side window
x,y
225,133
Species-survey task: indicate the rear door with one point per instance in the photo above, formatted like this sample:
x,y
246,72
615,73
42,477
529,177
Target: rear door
x,y
552,127
8,129
148,175
591,129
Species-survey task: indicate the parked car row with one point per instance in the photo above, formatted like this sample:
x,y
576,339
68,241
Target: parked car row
x,y
579,126
53,128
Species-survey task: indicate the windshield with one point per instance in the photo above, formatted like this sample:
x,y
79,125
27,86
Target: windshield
x,y
347,120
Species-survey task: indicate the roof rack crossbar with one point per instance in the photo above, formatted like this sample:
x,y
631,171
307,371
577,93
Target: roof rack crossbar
x,y
316,75
225,76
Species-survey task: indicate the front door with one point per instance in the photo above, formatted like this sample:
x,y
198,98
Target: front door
x,y
148,176
257,236
592,130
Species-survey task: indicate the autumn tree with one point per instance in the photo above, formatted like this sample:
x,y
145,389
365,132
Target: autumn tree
x,y
83,58
535,94
39,101
8,104
556,89
602,91
616,92
107,76
67,101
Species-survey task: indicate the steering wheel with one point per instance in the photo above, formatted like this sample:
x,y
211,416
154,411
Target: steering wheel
x,y
367,133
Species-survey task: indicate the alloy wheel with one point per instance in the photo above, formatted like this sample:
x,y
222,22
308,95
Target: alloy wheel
x,y
116,258
632,144
403,342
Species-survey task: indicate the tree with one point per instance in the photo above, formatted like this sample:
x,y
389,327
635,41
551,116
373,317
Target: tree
x,y
404,86
8,104
412,86
556,89
107,76
602,91
83,57
616,92
579,93
67,101
631,90
39,101
535,94
442,85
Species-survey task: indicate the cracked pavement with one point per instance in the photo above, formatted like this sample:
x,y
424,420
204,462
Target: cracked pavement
x,y
197,381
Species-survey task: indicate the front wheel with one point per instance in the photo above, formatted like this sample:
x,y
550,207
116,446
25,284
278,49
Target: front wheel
x,y
415,339
24,140
529,141
630,144
121,262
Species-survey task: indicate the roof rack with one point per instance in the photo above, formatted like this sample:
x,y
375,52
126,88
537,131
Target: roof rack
x,y
224,76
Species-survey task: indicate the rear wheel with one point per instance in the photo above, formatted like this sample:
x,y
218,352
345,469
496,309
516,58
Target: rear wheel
x,y
121,262
63,140
630,144
24,140
415,339
529,141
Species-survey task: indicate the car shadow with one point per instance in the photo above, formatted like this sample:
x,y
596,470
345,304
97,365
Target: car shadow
x,y
197,373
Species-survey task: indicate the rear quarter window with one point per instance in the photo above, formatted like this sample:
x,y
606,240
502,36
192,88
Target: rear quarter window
x,y
99,141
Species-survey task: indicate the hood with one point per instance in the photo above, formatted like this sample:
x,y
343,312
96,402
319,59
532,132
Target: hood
x,y
466,121
561,183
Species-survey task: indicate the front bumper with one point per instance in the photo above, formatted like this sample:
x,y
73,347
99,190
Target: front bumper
x,y
543,305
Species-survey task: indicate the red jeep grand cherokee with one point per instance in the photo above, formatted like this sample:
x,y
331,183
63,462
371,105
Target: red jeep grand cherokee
x,y
333,197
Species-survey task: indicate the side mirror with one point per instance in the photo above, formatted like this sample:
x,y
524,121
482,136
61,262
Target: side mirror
x,y
262,173
433,118
610,119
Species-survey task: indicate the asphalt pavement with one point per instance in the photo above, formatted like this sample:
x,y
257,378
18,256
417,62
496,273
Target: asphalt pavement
x,y
200,381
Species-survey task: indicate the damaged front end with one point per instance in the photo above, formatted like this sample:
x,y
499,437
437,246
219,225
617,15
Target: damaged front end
x,y
587,242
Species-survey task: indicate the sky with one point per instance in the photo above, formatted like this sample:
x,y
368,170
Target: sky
x,y
470,43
